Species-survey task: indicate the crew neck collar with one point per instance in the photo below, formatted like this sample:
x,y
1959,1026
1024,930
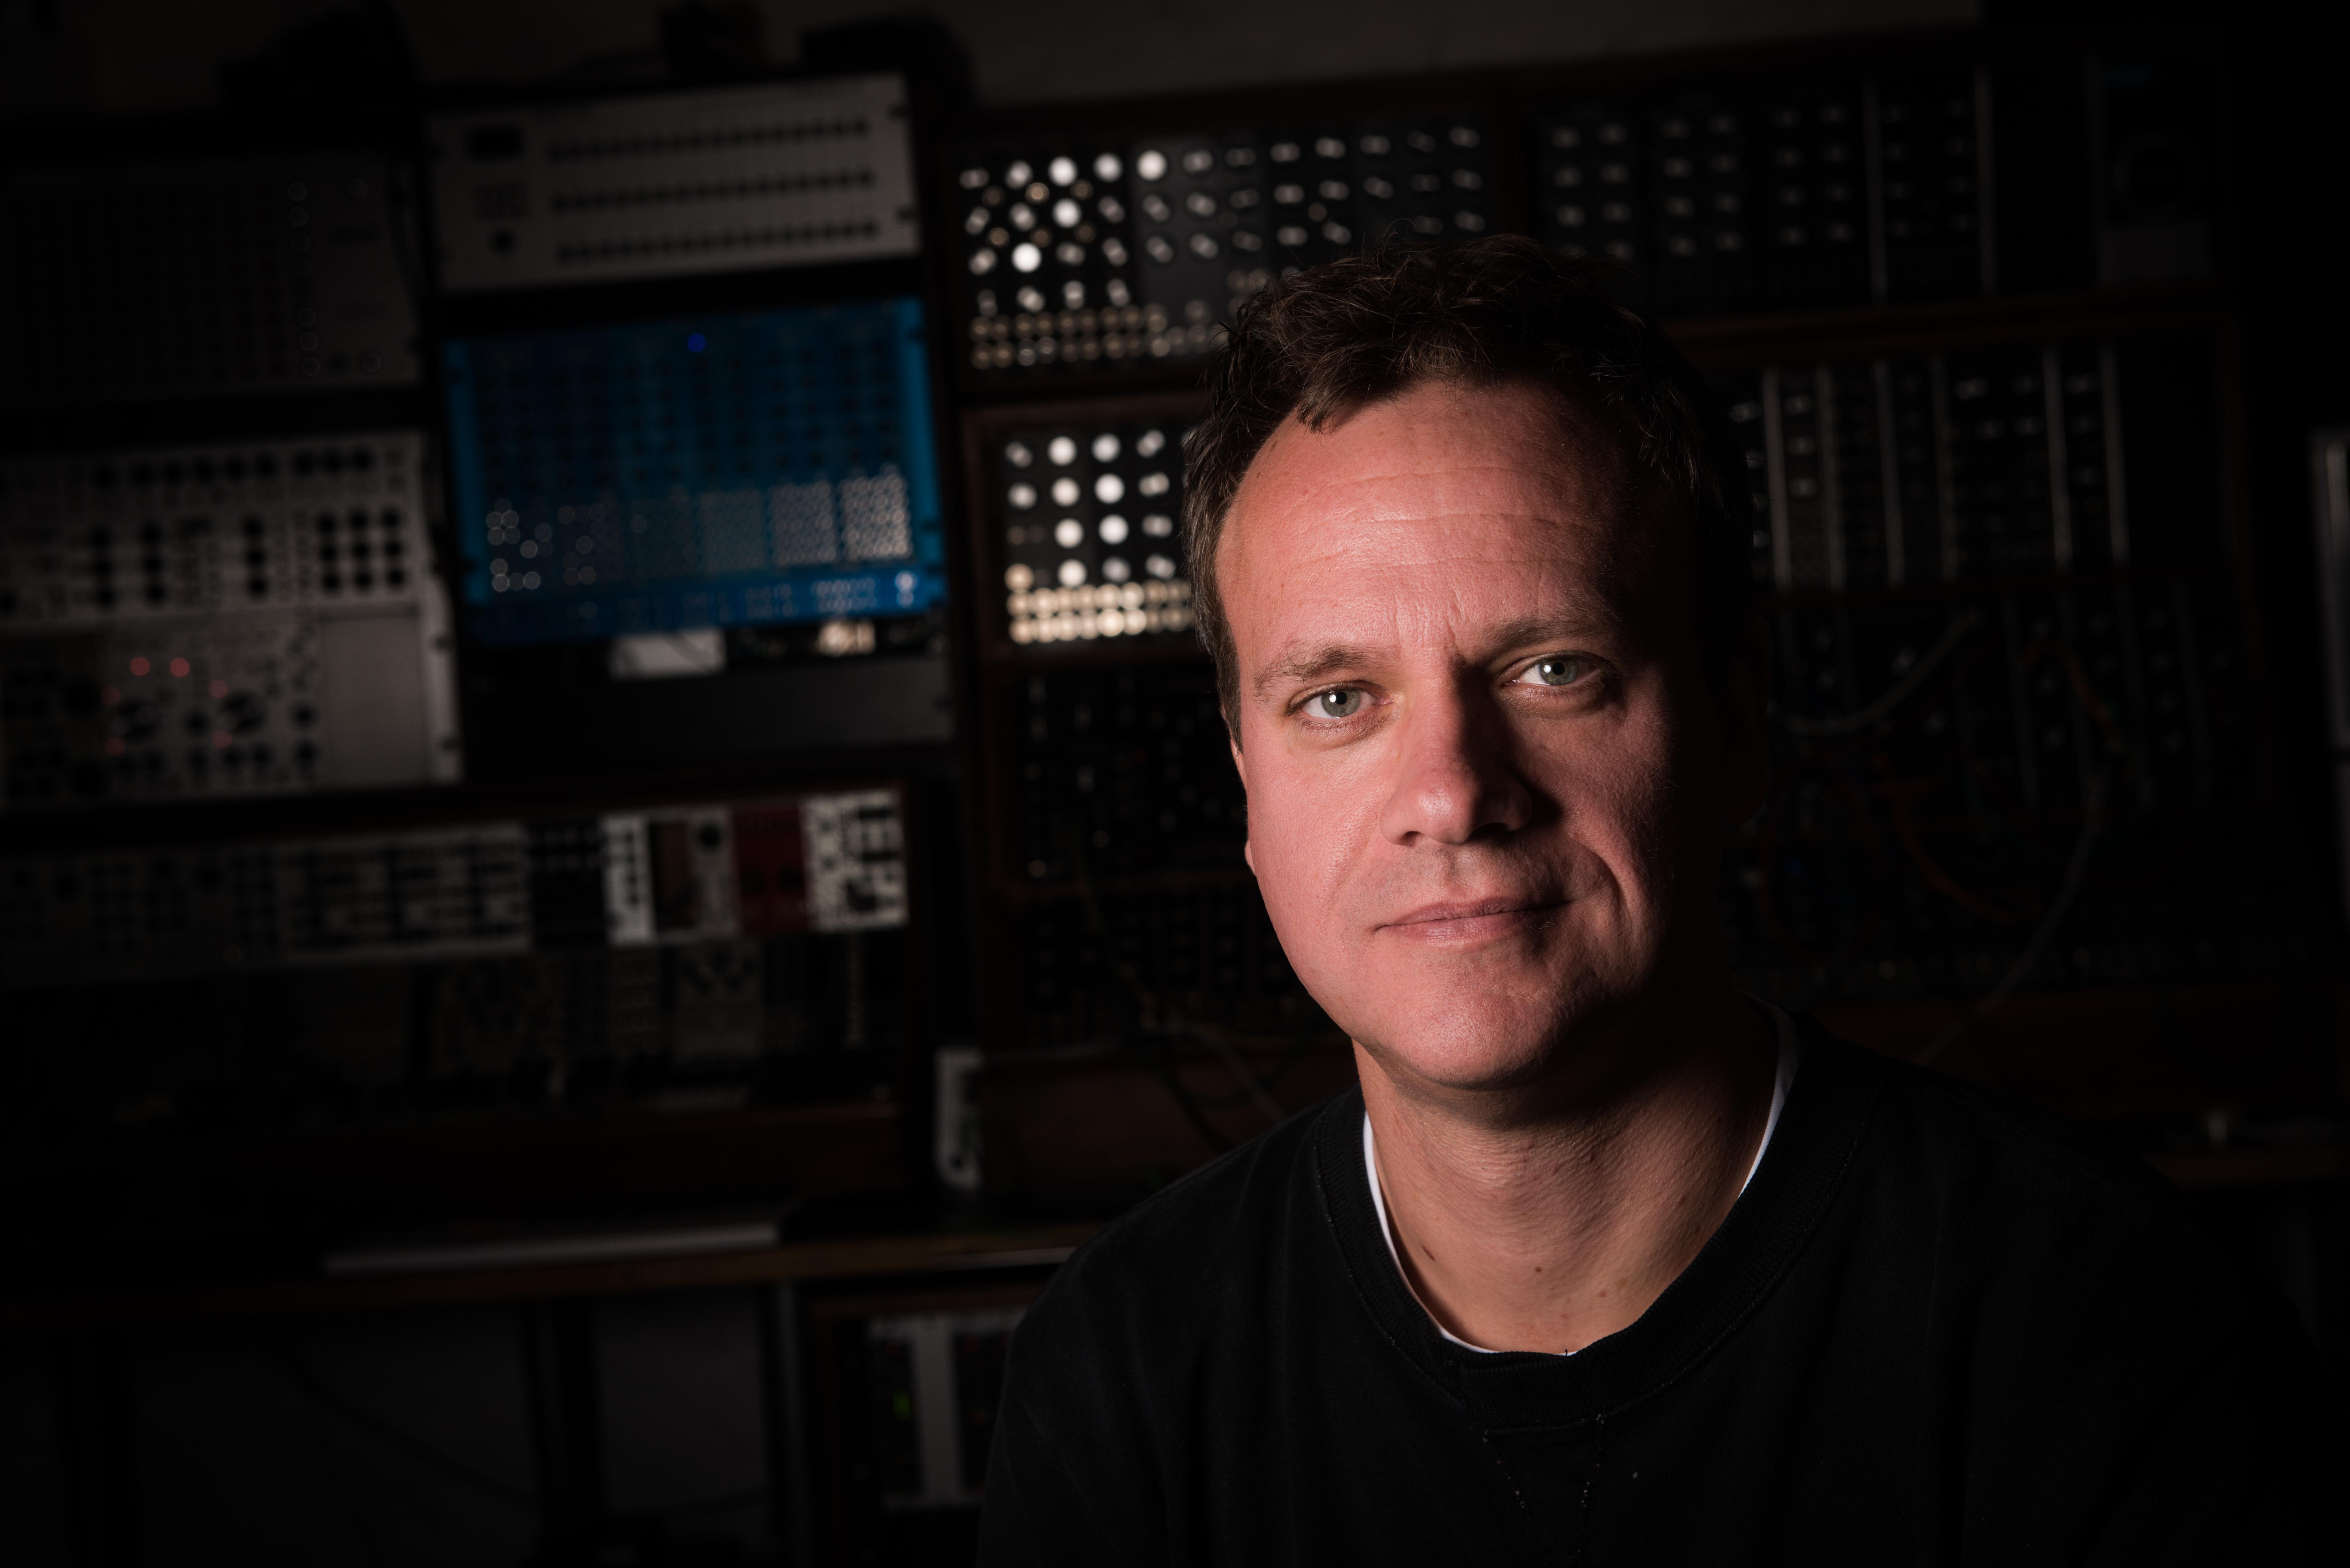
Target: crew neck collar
x,y
1790,1052
1802,1164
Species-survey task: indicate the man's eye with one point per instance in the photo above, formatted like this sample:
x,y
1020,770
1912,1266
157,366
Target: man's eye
x,y
1562,671
1342,703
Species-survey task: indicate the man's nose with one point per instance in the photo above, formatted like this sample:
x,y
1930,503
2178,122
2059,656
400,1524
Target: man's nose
x,y
1453,775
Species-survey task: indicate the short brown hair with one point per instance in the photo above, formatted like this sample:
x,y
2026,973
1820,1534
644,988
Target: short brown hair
x,y
1321,344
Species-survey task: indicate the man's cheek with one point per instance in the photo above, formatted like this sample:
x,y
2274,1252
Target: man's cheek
x,y
1312,862
1305,914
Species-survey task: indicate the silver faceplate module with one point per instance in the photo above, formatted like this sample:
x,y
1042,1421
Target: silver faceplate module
x,y
251,618
725,180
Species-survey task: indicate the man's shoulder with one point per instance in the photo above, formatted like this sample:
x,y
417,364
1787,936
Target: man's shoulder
x,y
1199,1238
2088,1314
2021,1191
1968,1127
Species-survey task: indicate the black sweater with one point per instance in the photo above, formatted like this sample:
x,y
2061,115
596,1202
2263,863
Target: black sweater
x,y
1930,1331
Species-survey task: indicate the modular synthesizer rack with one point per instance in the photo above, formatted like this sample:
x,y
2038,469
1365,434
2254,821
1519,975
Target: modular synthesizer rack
x,y
697,505
238,619
2007,633
615,956
2017,698
1081,254
492,651
820,862
1908,172
736,470
493,507
1947,468
672,184
205,276
674,500
1999,541
1074,525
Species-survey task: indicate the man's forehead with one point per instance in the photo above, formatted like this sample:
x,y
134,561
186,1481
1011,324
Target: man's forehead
x,y
1462,441
1461,485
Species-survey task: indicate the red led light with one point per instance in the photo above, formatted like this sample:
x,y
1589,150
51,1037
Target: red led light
x,y
180,667
219,689
221,739
114,747
110,695
138,667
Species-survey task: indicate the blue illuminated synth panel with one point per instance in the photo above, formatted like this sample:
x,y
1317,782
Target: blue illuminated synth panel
x,y
706,472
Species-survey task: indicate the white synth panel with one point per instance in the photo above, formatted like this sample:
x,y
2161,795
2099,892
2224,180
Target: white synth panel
x,y
938,1394
717,179
249,618
856,861
669,877
108,538
206,707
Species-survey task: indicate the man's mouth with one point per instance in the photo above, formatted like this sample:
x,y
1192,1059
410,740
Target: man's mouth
x,y
1464,920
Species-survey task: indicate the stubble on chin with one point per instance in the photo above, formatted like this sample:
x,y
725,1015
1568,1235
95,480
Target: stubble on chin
x,y
1486,1020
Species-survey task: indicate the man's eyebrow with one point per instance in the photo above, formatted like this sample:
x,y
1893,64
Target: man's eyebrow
x,y
1565,626
1306,664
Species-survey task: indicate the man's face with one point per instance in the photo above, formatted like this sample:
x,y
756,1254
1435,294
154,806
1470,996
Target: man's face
x,y
1487,775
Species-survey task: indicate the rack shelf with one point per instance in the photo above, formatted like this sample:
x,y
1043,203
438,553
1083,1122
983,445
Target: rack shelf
x,y
859,1257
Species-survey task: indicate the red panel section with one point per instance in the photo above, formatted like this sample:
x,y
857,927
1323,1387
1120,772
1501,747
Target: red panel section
x,y
771,869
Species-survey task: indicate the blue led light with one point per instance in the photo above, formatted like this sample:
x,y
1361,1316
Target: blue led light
x,y
696,344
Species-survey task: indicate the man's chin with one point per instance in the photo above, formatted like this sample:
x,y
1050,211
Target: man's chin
x,y
1482,1041
1487,1060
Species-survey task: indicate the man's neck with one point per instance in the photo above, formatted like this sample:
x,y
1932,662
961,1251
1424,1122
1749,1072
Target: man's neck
x,y
1559,1222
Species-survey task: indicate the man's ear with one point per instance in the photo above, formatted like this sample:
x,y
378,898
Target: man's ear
x,y
1239,766
1745,700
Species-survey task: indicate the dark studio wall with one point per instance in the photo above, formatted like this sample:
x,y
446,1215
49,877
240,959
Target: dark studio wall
x,y
143,54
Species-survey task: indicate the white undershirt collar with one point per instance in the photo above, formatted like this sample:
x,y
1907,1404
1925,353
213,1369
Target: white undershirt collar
x,y
1790,1046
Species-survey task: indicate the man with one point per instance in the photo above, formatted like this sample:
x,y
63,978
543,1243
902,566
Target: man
x,y
1607,1262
